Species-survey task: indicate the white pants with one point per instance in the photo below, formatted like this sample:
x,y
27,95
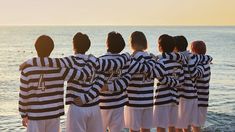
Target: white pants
x,y
113,119
136,118
165,116
84,119
202,113
50,125
188,113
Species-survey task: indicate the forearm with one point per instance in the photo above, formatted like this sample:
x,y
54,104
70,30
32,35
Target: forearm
x,y
113,64
198,72
93,92
120,84
22,108
158,71
22,104
74,74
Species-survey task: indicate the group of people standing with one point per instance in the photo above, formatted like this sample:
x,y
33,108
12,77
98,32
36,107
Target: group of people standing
x,y
115,91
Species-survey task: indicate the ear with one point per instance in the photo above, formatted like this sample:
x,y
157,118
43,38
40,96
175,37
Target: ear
x,y
107,47
159,48
175,49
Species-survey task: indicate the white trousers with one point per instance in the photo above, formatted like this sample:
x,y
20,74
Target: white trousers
x,y
84,119
165,116
188,113
50,125
113,119
202,116
136,118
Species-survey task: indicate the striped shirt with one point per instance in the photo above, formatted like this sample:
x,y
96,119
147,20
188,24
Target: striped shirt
x,y
42,91
140,88
202,86
88,89
188,90
112,99
200,73
166,94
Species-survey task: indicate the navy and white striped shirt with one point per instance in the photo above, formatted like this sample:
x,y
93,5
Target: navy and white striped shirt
x,y
188,90
113,99
42,91
200,71
202,85
172,64
140,88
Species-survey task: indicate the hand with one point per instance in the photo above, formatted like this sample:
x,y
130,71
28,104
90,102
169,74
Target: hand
x,y
78,101
25,121
105,88
22,66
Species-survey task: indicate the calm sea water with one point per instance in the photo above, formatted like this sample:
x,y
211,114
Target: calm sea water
x,y
17,45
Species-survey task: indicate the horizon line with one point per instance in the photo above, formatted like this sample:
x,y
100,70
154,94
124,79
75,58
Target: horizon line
x,y
38,25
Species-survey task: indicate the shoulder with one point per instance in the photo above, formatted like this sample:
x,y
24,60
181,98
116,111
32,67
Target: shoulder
x,y
38,70
110,56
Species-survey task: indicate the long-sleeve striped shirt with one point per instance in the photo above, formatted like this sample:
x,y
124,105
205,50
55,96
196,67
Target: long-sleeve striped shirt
x,y
140,88
166,94
88,89
188,90
113,99
202,85
42,91
200,73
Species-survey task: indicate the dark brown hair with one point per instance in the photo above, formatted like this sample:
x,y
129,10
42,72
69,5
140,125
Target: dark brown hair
x,y
44,45
115,42
167,43
181,43
81,43
138,39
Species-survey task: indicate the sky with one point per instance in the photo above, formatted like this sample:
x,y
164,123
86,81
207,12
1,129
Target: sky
x,y
117,12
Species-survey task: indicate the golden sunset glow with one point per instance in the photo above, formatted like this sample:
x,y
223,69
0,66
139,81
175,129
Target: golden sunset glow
x,y
117,12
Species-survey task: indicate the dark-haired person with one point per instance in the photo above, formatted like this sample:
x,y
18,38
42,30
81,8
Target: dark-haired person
x,y
42,91
139,109
85,91
112,103
202,84
166,97
188,93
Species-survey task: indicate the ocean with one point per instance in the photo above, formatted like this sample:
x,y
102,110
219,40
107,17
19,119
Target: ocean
x,y
17,45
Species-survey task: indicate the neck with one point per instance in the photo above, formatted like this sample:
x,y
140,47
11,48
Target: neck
x,y
41,56
79,53
136,51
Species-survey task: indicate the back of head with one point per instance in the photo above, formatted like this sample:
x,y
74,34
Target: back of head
x,y
115,42
44,46
81,43
138,41
166,43
181,43
198,47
